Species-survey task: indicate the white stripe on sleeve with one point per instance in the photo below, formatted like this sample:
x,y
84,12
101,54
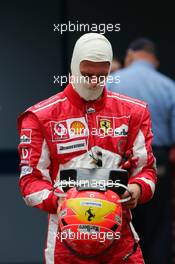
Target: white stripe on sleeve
x,y
139,150
37,197
44,162
149,182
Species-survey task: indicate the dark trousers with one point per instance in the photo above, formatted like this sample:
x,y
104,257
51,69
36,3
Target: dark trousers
x,y
153,220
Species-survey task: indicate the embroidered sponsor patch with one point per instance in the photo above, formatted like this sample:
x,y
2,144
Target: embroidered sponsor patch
x,y
26,135
88,229
25,170
77,127
113,126
71,146
118,219
105,125
69,128
90,203
25,152
121,131
59,130
63,213
25,155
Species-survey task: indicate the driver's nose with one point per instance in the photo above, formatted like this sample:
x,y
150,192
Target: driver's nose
x,y
93,81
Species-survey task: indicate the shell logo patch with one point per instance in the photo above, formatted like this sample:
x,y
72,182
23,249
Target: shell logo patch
x,y
77,127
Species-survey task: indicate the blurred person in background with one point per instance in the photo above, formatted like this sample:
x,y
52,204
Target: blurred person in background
x,y
140,79
116,65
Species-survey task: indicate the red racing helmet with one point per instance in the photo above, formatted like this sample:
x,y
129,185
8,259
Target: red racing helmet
x,y
90,221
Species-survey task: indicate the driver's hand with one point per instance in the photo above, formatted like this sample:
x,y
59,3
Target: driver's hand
x,y
135,191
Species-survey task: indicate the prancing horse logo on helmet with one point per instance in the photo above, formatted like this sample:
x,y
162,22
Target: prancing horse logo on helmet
x,y
90,214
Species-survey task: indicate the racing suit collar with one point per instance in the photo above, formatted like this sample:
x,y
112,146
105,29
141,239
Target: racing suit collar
x,y
82,104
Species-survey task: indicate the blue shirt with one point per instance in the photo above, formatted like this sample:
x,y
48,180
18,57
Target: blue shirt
x,y
141,80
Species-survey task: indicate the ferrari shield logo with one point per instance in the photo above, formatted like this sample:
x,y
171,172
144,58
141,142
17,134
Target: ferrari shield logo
x,y
105,125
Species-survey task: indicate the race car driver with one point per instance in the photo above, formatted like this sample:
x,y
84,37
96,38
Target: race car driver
x,y
85,126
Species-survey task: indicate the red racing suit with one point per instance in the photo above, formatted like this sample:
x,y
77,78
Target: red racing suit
x,y
65,131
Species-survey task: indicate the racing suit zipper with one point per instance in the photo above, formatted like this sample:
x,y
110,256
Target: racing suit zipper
x,y
91,124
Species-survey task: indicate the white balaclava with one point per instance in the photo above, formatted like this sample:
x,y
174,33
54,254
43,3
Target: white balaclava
x,y
92,47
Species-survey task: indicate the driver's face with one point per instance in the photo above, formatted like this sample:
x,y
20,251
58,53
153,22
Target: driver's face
x,y
94,72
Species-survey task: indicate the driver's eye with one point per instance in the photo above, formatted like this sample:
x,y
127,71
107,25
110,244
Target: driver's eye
x,y
91,77
87,78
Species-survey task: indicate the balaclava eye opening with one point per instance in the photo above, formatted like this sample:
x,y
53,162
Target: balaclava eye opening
x,y
92,47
